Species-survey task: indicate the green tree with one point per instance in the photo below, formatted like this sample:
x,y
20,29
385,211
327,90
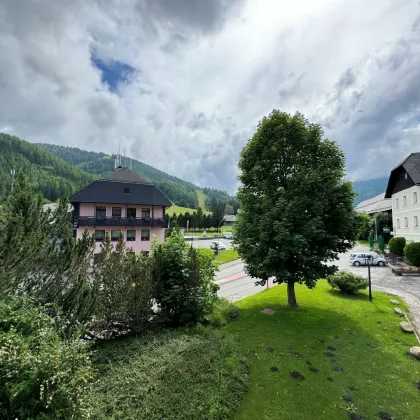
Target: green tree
x,y
364,226
229,209
185,291
297,210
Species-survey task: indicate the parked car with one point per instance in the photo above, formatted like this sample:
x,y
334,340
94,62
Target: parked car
x,y
228,235
363,259
217,245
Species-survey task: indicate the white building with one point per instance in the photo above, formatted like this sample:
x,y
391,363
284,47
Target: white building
x,y
404,189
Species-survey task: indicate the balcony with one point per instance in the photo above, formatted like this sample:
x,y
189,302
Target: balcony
x,y
119,221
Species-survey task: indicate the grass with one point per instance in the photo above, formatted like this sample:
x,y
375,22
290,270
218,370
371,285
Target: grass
x,y
367,344
226,256
201,197
189,374
174,209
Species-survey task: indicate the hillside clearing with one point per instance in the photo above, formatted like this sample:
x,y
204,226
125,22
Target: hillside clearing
x,y
351,353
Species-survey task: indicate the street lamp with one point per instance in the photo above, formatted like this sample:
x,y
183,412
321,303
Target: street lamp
x,y
218,236
368,263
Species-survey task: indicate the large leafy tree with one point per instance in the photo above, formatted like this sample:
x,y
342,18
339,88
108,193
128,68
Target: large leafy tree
x,y
297,209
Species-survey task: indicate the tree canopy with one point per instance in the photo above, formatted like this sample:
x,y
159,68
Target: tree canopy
x,y
297,210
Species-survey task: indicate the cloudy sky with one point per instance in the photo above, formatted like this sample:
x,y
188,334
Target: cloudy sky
x,y
182,84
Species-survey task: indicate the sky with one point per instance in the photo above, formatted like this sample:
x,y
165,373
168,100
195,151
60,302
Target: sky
x,y
182,84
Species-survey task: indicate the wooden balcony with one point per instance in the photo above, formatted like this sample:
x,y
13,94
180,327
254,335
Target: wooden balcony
x,y
119,221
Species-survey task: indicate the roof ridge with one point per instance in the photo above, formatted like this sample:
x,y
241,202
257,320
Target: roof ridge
x,y
124,174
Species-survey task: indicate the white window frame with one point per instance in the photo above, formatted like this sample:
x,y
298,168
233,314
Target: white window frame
x,y
414,197
398,223
406,222
416,221
397,203
404,200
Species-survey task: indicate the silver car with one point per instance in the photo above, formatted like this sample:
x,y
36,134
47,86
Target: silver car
x,y
364,259
217,245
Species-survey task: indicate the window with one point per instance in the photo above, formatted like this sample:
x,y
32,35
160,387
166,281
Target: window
x,y
416,221
398,223
414,197
116,211
131,235
115,235
405,200
405,176
145,235
145,213
99,235
397,203
126,190
131,212
100,212
406,222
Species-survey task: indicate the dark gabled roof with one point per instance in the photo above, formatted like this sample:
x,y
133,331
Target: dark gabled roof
x,y
411,164
111,189
124,175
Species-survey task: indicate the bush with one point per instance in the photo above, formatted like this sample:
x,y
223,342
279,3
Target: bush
x,y
412,253
347,282
42,376
185,374
185,291
222,313
397,245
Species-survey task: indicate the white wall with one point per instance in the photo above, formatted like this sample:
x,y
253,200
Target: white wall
x,y
409,210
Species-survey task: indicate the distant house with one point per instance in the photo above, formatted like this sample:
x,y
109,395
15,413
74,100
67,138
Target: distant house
x,y
121,203
229,220
378,204
404,191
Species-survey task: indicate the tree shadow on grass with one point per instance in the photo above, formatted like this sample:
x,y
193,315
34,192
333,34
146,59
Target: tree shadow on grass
x,y
364,358
346,296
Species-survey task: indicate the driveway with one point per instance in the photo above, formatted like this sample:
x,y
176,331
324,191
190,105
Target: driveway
x,y
235,284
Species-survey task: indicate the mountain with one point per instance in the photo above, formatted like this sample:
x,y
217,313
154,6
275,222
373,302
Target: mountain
x,y
178,191
46,173
369,188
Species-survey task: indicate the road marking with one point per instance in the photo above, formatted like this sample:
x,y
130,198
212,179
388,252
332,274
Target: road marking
x,y
235,277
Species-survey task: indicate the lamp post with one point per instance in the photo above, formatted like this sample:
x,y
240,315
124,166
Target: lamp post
x,y
218,235
368,260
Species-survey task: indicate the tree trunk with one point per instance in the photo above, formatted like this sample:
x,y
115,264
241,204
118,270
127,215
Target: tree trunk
x,y
291,297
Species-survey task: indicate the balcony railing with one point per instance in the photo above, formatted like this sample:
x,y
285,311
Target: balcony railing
x,y
120,221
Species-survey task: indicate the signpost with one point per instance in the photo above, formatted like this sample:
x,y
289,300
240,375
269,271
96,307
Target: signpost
x,y
368,260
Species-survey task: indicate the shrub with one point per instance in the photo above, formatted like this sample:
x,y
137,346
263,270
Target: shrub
x,y
222,313
412,253
185,374
396,245
42,376
125,297
185,291
347,282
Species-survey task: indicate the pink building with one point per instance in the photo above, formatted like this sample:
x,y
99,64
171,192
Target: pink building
x,y
121,203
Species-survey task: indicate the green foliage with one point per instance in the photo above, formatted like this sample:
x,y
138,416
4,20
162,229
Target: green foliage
x,y
397,245
175,375
222,313
40,258
185,290
42,376
125,298
347,282
383,220
46,173
297,209
364,226
412,253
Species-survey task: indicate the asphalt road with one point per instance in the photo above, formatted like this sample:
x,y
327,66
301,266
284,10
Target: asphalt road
x,y
235,284
205,243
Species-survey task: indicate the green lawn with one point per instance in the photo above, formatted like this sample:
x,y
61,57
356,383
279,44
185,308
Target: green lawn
x,y
367,350
185,374
201,199
226,256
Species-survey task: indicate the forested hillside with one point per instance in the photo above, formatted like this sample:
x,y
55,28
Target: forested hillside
x,y
369,188
178,191
46,173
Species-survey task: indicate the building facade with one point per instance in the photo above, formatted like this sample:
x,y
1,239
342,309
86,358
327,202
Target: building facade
x,y
404,190
121,203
